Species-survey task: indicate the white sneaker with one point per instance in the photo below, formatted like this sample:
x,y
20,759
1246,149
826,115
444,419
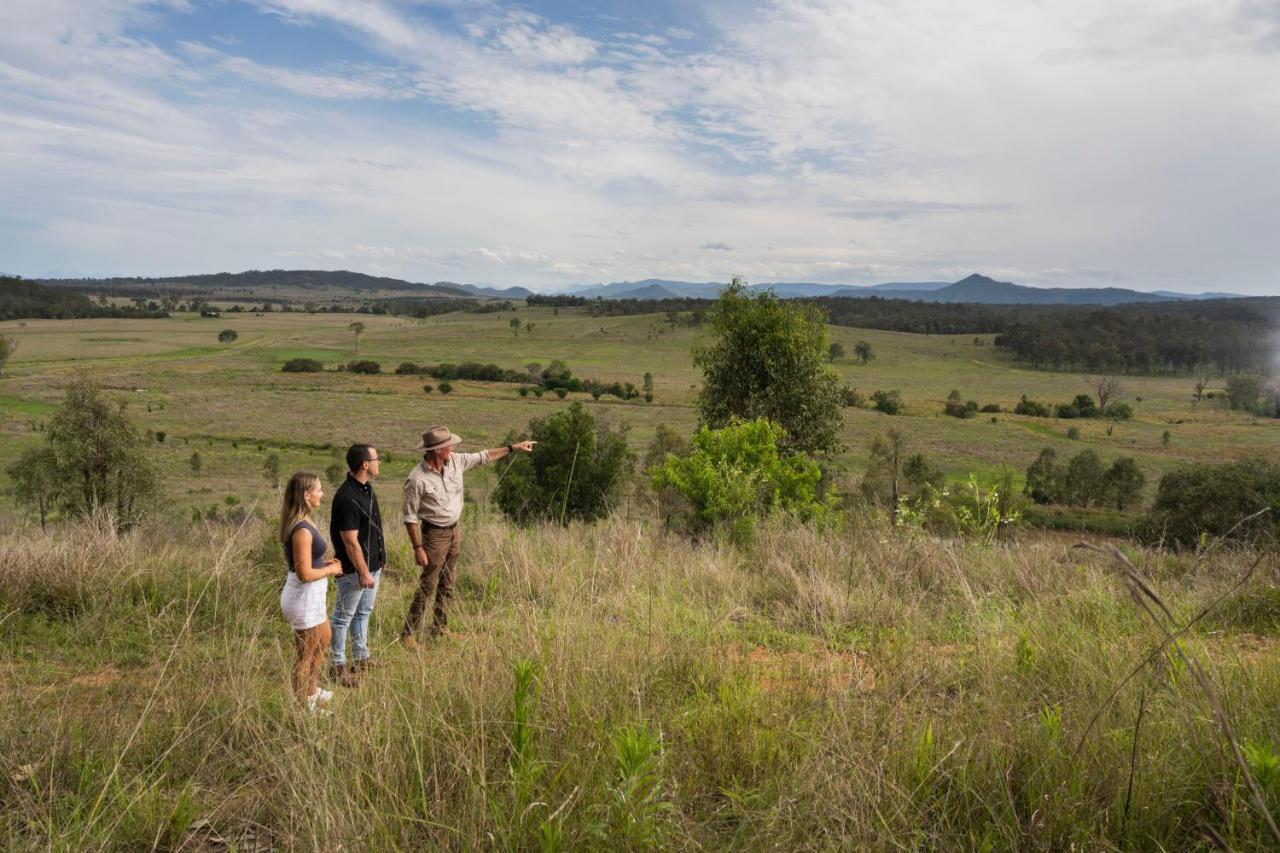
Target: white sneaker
x,y
315,703
323,696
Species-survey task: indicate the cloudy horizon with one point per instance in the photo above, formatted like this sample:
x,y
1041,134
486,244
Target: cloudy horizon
x,y
545,144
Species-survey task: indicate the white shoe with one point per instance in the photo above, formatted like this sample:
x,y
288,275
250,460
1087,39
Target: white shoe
x,y
323,696
315,703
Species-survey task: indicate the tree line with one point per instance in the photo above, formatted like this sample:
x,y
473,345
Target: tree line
x,y
1219,335
21,299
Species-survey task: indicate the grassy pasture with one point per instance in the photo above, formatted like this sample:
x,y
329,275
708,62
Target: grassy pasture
x,y
227,400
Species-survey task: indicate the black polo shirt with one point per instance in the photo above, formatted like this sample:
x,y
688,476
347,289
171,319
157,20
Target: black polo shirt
x,y
355,507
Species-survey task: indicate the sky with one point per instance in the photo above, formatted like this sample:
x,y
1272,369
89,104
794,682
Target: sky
x,y
1130,143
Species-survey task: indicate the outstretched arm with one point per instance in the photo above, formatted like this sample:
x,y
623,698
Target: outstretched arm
x,y
497,453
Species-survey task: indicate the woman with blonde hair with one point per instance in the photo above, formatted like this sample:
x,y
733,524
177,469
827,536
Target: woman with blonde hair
x,y
303,598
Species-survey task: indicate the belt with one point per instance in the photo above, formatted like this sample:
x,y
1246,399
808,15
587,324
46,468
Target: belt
x,y
439,526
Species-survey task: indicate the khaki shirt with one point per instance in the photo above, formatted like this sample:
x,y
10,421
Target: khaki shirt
x,y
435,497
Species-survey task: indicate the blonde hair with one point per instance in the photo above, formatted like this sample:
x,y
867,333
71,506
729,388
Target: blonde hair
x,y
294,508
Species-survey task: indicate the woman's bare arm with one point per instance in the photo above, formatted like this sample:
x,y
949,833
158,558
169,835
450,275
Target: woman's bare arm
x,y
301,543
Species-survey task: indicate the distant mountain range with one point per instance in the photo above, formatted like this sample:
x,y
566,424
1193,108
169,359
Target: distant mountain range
x,y
973,289
303,279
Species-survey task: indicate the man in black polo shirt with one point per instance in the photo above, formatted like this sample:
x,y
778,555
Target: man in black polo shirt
x,y
355,528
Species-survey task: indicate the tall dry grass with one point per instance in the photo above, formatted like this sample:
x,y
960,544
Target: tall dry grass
x,y
616,687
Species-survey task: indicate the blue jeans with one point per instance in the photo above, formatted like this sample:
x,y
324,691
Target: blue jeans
x,y
351,609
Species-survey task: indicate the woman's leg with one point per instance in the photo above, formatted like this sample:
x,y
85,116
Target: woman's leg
x,y
302,643
323,635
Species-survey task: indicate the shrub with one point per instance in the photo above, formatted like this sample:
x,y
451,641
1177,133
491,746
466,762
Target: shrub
x,y
738,473
1032,408
523,390
366,367
1118,412
227,336
302,365
427,389
408,368
852,397
957,408
1204,499
576,473
889,402
446,387
1243,392
1082,406
993,408
1073,433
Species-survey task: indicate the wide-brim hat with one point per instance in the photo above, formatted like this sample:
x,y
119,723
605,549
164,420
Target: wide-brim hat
x,y
438,437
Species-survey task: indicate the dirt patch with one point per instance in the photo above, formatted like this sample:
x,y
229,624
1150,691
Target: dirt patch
x,y
103,677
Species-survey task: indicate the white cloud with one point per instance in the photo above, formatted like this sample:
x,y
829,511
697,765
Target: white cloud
x,y
1124,141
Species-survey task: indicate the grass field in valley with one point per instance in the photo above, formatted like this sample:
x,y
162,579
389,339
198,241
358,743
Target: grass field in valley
x,y
206,396
853,689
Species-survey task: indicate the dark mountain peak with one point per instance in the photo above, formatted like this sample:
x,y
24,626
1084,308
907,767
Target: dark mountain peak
x,y
977,278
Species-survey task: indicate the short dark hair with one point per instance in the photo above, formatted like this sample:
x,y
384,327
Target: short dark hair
x,y
356,454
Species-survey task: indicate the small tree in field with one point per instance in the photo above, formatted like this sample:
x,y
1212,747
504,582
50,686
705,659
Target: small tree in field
x,y
648,387
1085,480
357,329
227,336
863,351
575,474
884,478
769,360
1107,388
835,351
101,460
196,463
515,326
1124,482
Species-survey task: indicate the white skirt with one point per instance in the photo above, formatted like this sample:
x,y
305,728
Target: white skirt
x,y
303,602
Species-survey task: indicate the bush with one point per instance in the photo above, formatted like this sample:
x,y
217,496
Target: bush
x,y
302,365
575,474
889,402
408,368
1032,408
1204,499
852,397
992,408
1082,406
227,336
957,408
446,387
1118,412
736,474
427,389
366,367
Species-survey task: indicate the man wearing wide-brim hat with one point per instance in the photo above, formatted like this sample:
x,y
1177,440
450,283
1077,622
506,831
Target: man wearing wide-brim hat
x,y
432,509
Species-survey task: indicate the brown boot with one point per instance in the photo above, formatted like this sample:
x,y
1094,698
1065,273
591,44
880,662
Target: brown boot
x,y
344,675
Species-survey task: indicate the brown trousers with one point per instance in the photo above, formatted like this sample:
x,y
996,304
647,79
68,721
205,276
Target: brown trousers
x,y
435,585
